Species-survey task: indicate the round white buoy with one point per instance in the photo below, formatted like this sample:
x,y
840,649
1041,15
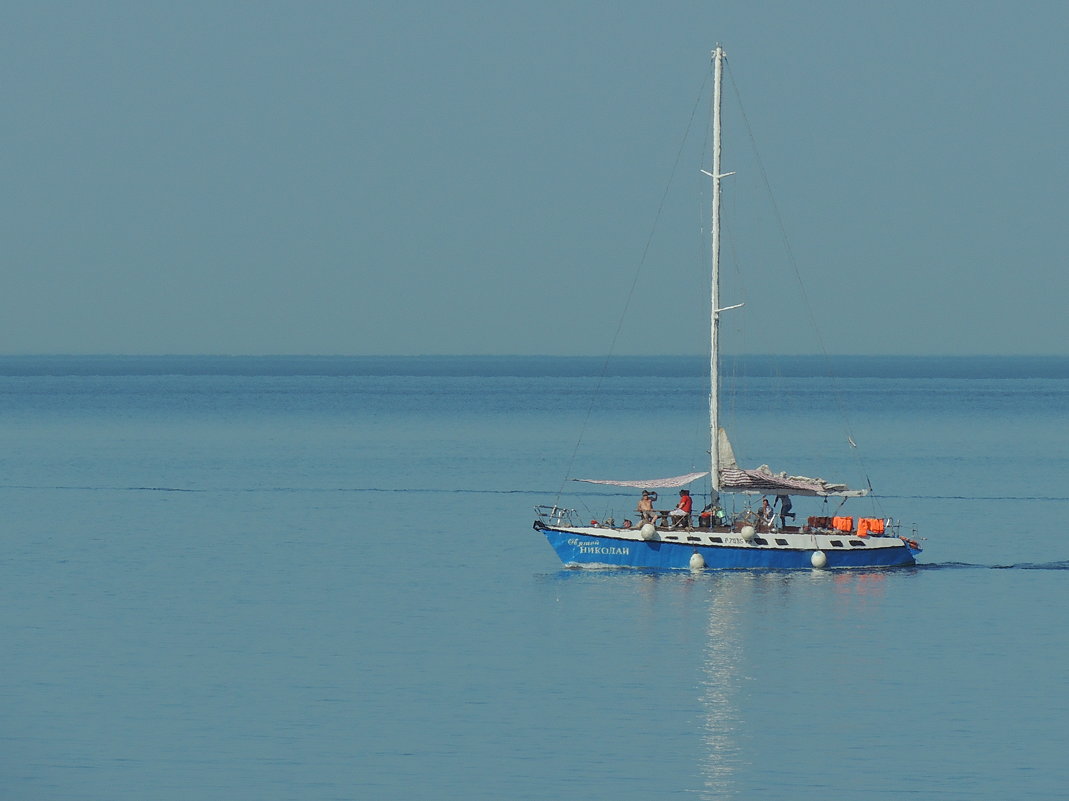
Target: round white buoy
x,y
818,559
648,531
697,562
747,533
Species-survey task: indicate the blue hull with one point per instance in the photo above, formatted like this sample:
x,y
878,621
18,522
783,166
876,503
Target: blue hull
x,y
582,549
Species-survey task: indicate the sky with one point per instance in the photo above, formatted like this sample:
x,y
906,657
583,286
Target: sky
x,y
480,177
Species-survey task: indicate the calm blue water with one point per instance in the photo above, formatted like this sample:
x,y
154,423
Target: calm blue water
x,y
316,579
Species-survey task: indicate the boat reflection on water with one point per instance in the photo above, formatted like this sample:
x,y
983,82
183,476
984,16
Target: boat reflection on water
x,y
724,664
861,586
756,627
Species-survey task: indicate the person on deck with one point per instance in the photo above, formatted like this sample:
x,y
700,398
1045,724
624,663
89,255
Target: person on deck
x,y
681,514
645,508
765,514
785,507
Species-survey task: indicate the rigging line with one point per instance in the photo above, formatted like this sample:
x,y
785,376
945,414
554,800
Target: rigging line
x,y
729,410
634,285
794,266
537,493
702,289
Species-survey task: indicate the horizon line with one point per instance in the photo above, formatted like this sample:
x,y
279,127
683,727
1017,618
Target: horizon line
x,y
529,355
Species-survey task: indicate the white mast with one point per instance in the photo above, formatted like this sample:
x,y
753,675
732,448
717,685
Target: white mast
x,y
714,353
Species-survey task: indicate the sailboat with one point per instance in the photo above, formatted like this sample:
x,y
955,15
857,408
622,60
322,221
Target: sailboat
x,y
713,539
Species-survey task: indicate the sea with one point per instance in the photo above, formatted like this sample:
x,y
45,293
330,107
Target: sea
x,y
316,578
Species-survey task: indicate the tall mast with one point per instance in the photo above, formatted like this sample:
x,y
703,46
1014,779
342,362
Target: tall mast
x,y
714,345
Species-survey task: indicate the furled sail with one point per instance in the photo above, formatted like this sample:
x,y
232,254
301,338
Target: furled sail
x,y
764,482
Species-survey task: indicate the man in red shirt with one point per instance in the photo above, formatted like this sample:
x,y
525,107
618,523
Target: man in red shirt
x,y
681,514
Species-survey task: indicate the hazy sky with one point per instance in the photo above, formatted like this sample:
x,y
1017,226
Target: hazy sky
x,y
482,177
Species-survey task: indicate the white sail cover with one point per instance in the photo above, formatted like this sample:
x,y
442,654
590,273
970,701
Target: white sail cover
x,y
653,483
